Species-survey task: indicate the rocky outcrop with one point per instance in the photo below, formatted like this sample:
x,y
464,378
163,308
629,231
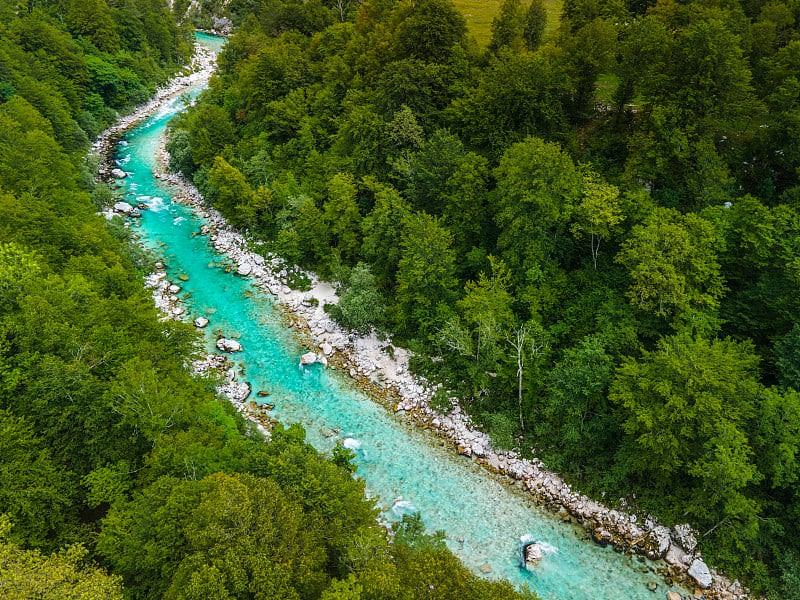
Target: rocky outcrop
x,y
222,25
657,542
533,554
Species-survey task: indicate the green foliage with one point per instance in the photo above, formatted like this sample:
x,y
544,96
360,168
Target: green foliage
x,y
537,188
228,189
685,408
33,491
576,410
598,213
342,217
410,532
672,263
425,273
534,25
361,305
382,236
507,28
29,574
429,31
787,351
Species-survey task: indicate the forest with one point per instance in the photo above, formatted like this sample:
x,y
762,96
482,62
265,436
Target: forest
x,y
590,237
121,474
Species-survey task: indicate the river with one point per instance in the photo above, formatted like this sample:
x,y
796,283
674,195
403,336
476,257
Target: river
x,y
405,469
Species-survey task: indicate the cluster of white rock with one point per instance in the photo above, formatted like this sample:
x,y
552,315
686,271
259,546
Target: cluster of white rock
x,y
165,293
166,300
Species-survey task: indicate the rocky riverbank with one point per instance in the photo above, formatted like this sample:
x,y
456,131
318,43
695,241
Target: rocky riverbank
x,y
383,369
200,69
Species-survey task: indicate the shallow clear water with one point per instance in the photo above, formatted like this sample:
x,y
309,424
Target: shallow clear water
x,y
482,516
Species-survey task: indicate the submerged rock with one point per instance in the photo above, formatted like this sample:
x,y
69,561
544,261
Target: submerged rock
x,y
227,345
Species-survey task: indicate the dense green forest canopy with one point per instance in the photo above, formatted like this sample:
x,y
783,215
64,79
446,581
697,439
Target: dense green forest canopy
x,y
596,229
121,474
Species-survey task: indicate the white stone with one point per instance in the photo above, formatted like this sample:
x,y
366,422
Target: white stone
x,y
119,173
244,269
200,322
309,358
326,348
174,289
227,345
123,207
700,573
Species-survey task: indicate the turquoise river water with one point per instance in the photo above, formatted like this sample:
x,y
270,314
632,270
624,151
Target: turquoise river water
x,y
405,469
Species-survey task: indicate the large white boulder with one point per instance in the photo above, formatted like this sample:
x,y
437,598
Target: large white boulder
x,y
200,322
309,358
119,173
244,269
700,572
123,207
227,345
